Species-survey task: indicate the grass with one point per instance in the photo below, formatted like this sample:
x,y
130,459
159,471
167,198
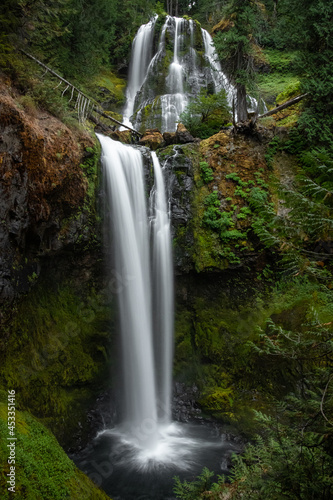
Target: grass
x,y
280,77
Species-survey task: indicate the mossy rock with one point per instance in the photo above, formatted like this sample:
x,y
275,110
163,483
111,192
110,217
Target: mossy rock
x,y
57,354
42,468
292,90
218,319
109,88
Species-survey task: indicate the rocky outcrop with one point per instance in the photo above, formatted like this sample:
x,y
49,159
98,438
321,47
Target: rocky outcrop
x,y
214,233
152,138
42,187
182,135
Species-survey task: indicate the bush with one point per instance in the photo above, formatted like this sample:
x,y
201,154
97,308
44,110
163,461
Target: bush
x,y
206,114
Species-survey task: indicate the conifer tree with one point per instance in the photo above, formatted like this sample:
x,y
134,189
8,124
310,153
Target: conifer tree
x,y
235,48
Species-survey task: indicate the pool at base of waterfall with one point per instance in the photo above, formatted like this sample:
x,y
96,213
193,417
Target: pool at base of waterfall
x,y
128,468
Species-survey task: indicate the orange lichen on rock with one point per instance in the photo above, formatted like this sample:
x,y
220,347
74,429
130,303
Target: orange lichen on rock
x,y
41,186
226,153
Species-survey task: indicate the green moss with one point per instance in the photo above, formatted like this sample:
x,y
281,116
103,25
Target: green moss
x,y
89,236
213,338
113,85
56,354
293,90
280,76
42,469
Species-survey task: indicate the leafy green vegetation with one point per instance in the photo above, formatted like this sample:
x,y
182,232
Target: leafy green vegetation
x,y
206,172
301,235
263,356
42,468
235,48
292,453
206,114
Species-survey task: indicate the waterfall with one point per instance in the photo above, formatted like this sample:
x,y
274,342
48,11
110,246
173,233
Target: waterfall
x,y
158,98
146,318
162,291
220,79
140,59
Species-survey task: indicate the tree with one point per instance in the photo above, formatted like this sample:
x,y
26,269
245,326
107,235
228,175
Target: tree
x,y
235,47
308,27
205,114
301,231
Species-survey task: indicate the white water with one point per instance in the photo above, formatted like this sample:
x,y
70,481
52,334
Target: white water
x,y
162,292
174,103
123,170
145,285
140,59
185,77
220,79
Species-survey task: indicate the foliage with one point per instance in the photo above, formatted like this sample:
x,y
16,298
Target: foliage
x,y
235,48
206,172
301,231
77,37
307,28
206,114
196,489
42,468
291,456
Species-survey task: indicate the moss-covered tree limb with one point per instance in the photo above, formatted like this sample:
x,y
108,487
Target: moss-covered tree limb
x,y
295,100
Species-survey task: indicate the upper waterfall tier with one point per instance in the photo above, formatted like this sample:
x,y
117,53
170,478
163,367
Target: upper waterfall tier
x,y
172,59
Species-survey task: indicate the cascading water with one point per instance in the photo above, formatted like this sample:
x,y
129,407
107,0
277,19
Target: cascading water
x,y
146,318
156,98
162,292
141,454
140,59
220,79
162,97
123,170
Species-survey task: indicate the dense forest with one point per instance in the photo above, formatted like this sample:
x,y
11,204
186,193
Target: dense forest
x,y
262,357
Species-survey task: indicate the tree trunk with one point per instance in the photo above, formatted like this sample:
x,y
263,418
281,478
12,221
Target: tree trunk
x,y
241,103
295,100
275,8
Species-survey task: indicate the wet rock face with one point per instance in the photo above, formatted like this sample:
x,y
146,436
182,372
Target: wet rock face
x,y
180,185
41,185
236,165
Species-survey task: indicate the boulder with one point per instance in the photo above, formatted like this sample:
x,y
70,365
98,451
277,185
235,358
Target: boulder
x,y
169,138
182,135
152,138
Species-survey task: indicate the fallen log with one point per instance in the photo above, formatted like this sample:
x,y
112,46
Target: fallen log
x,y
100,112
69,84
283,106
